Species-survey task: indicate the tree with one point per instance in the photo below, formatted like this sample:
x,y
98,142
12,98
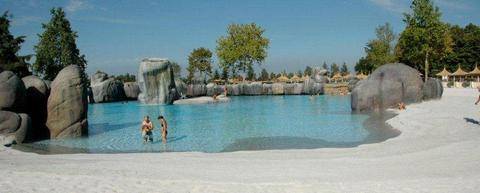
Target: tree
x,y
299,73
324,66
216,75
380,51
308,71
364,66
465,49
126,77
199,60
272,76
242,47
251,74
334,69
9,47
56,48
425,39
344,69
263,75
225,73
290,75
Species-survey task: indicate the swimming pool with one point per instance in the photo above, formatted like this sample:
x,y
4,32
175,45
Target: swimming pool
x,y
244,123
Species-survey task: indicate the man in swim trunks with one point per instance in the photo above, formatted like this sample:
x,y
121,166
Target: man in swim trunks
x,y
147,127
164,125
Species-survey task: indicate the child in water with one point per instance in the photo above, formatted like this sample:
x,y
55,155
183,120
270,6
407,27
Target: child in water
x,y
147,127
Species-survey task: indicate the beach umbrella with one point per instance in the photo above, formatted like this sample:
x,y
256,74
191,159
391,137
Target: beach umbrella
x,y
295,78
459,73
475,72
283,79
337,77
444,74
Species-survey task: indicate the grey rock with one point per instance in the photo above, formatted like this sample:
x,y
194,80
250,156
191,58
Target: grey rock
x,y
37,93
277,88
351,84
386,87
12,92
156,82
181,87
67,105
432,89
267,89
131,90
13,127
194,90
254,88
106,89
234,89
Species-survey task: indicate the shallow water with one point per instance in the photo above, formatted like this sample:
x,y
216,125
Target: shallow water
x,y
245,123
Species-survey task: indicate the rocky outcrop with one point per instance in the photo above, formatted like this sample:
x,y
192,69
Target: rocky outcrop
x,y
12,92
131,90
181,87
351,84
202,100
432,89
277,88
13,127
105,89
156,81
254,88
37,93
386,87
194,90
67,105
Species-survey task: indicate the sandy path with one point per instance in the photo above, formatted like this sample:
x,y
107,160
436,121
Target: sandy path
x,y
438,151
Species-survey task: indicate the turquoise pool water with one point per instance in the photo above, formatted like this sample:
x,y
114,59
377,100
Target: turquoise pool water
x,y
245,123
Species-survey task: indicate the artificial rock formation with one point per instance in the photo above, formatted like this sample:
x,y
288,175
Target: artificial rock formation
x,y
387,86
105,89
156,81
432,89
131,90
67,104
13,127
37,93
12,92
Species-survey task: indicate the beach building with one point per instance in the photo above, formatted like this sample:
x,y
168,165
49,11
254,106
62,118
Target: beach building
x,y
445,74
475,75
458,77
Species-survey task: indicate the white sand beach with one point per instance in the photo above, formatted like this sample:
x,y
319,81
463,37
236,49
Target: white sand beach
x,y
438,151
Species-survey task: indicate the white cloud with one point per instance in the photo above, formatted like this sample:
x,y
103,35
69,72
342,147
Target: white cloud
x,y
396,6
75,5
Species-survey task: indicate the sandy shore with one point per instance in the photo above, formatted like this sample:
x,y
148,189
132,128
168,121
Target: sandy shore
x,y
438,151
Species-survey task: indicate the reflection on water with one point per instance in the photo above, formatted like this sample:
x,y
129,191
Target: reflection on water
x,y
246,123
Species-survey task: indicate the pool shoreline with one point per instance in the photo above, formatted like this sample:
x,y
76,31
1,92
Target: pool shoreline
x,y
376,124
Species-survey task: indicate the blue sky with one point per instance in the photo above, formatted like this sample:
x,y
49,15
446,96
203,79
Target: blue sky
x,y
116,34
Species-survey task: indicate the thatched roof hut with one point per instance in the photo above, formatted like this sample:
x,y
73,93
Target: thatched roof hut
x,y
361,76
444,74
283,79
295,78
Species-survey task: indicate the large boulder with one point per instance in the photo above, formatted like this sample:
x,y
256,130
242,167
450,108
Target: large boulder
x,y
12,92
351,84
67,105
37,93
105,89
156,81
293,89
131,90
277,89
432,89
181,87
13,127
254,88
194,90
319,75
267,89
386,87
234,89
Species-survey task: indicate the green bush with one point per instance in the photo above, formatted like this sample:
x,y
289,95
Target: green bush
x,y
450,84
466,84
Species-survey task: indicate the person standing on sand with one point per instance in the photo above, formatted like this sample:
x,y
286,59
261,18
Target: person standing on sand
x,y
478,100
164,125
147,128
